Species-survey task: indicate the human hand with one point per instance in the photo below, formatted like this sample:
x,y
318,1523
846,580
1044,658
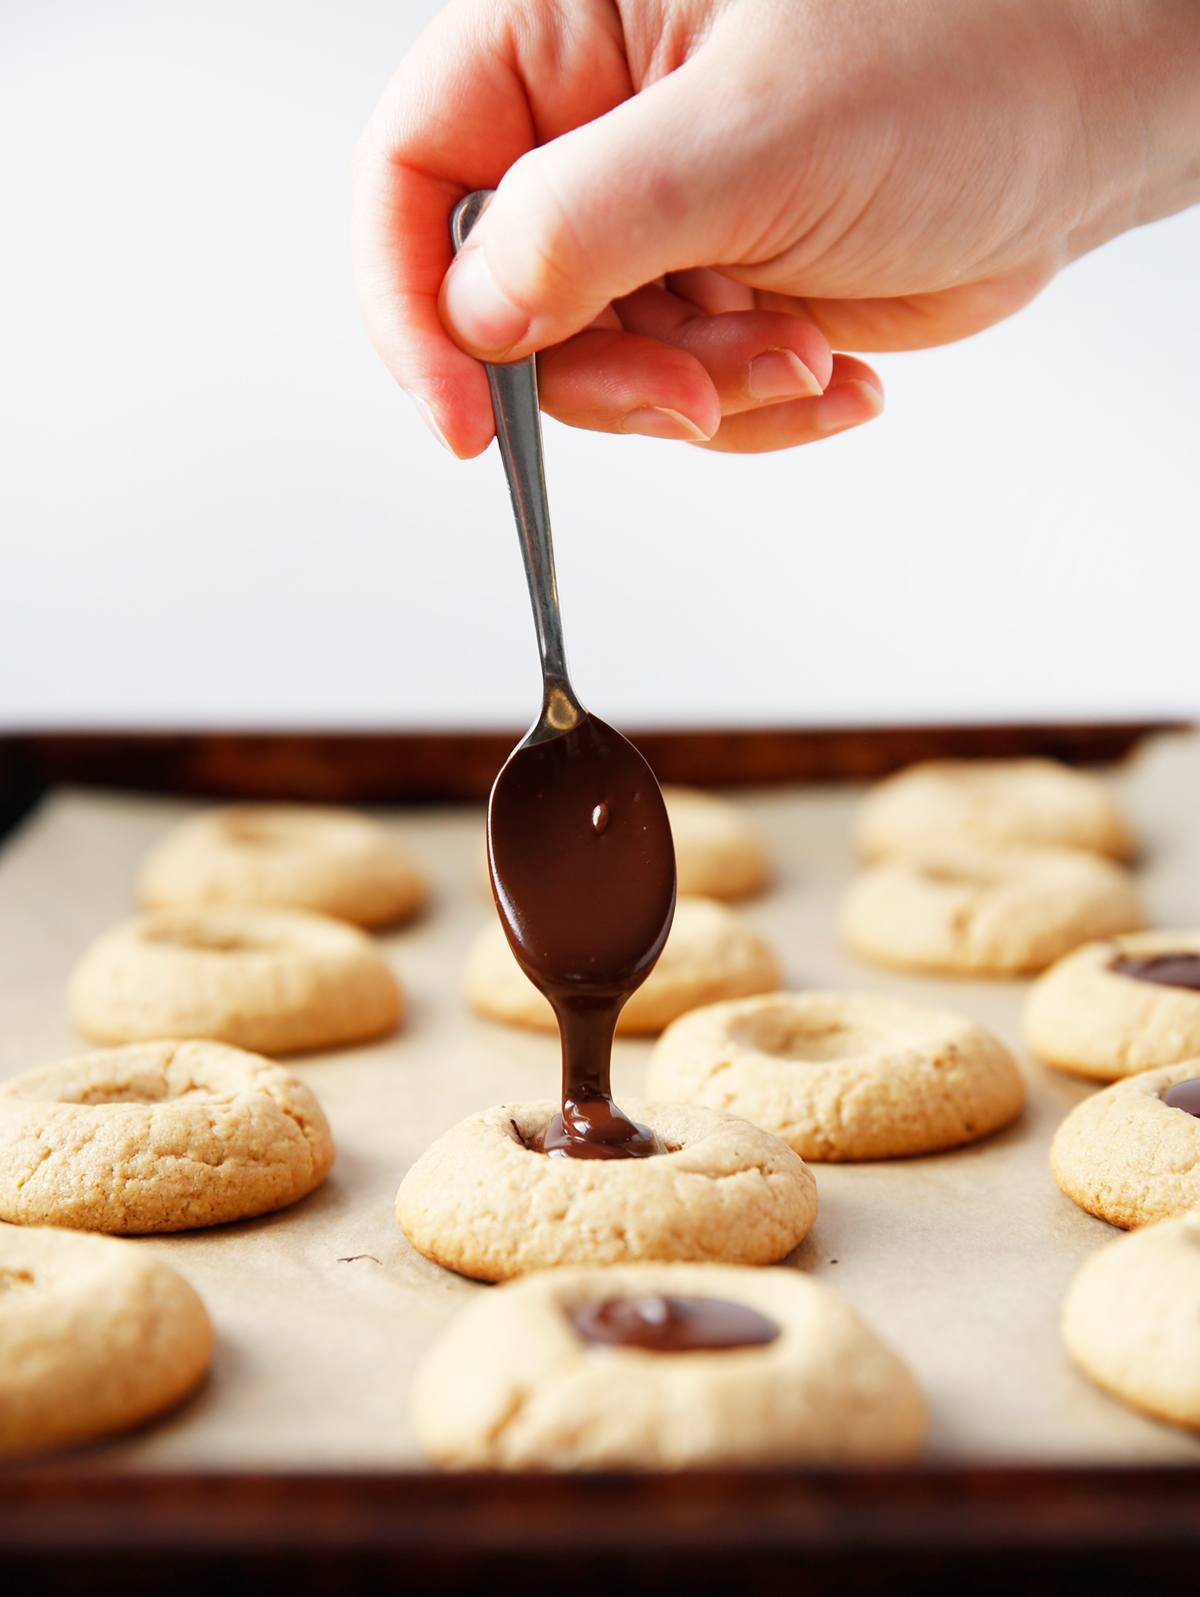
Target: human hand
x,y
696,198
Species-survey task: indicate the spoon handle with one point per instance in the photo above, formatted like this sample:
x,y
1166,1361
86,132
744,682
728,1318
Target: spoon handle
x,y
519,433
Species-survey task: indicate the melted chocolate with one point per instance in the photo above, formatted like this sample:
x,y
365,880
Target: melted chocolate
x,y
1168,970
1184,1095
673,1325
583,869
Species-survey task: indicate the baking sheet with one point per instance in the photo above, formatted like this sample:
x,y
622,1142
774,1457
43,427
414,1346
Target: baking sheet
x,y
959,1260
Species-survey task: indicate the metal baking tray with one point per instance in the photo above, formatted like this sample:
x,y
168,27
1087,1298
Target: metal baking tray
x,y
299,1446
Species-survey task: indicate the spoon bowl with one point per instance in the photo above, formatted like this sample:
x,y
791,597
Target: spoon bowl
x,y
579,848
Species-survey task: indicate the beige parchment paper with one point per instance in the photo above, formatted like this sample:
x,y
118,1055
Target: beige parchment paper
x,y
322,1311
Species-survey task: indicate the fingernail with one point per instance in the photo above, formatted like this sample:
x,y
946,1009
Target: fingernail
x,y
477,311
651,421
779,374
848,405
426,416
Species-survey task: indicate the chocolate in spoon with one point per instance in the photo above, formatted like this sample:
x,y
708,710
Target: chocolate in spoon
x,y
579,846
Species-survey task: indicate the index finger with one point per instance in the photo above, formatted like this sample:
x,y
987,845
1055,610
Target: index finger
x,y
481,86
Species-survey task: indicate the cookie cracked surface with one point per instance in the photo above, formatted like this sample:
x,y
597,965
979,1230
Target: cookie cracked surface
x,y
95,1336
509,1385
480,1202
162,1136
842,1076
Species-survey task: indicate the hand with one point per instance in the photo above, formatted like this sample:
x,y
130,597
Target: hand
x,y
697,198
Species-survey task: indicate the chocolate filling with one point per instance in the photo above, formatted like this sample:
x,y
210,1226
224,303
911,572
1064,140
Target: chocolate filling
x,y
583,870
672,1325
1166,970
1184,1095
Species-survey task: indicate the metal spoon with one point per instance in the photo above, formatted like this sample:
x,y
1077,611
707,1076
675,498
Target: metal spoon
x,y
519,434
579,846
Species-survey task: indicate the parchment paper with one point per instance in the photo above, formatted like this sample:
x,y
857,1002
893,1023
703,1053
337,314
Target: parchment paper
x,y
959,1260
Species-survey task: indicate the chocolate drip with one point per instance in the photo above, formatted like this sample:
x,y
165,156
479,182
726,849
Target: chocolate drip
x,y
583,870
1184,1095
1167,970
672,1325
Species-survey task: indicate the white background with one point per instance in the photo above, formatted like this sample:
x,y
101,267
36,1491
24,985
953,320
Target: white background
x,y
216,509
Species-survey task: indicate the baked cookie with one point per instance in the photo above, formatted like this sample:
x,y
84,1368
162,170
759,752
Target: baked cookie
x,y
1113,1008
286,856
711,953
842,1075
991,804
716,853
95,1336
1131,1154
479,1201
273,981
532,1376
986,912
1131,1320
161,1136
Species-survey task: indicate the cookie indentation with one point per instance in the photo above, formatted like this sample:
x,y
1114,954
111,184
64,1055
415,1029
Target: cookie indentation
x,y
658,1324
211,940
1167,970
777,1031
1184,1095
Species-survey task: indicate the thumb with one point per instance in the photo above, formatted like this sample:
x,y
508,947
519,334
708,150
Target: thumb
x,y
593,215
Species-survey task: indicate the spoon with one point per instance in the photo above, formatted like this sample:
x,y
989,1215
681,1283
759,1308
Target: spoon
x,y
579,845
